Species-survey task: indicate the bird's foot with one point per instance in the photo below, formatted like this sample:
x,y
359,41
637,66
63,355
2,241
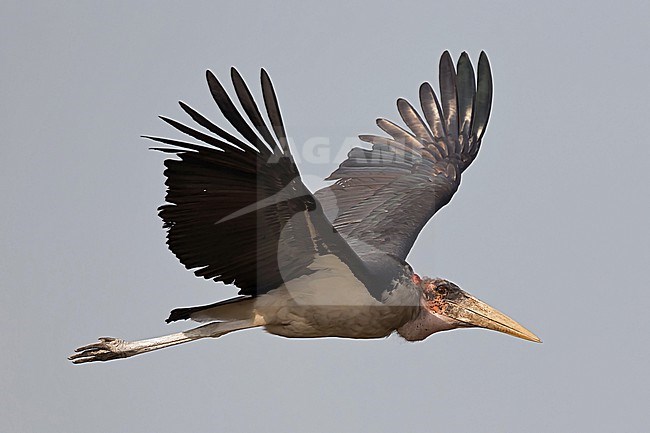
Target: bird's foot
x,y
105,349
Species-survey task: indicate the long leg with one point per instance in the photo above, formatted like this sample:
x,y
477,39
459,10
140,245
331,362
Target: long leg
x,y
108,348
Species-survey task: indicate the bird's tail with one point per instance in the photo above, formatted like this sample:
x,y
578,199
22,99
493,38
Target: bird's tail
x,y
239,308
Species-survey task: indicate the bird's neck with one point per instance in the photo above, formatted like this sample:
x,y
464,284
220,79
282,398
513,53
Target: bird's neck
x,y
425,324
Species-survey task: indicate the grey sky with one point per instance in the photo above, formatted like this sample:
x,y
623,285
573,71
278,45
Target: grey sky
x,y
550,224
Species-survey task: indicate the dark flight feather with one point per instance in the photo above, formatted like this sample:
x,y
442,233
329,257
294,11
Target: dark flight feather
x,y
483,102
432,111
413,120
273,110
448,97
466,90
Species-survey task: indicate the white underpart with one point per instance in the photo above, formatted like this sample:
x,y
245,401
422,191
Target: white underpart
x,y
332,302
332,283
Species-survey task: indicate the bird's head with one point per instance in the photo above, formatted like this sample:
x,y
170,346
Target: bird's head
x,y
446,306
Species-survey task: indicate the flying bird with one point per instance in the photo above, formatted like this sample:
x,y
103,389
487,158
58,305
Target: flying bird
x,y
324,264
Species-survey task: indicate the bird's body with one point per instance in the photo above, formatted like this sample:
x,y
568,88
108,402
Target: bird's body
x,y
288,316
332,263
330,302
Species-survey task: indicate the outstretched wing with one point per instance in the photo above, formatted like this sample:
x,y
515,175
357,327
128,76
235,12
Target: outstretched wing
x,y
237,210
384,196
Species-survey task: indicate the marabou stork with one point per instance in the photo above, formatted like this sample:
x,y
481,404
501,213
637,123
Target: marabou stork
x,y
329,264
